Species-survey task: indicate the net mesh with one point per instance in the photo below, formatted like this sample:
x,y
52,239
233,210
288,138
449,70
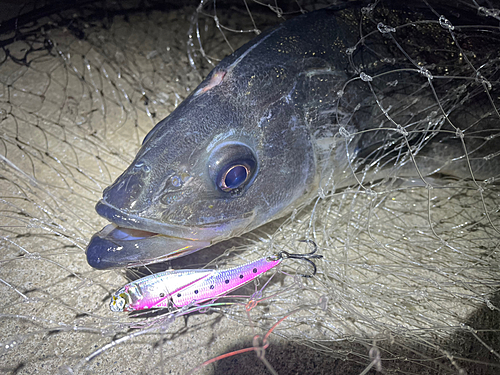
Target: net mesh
x,y
410,275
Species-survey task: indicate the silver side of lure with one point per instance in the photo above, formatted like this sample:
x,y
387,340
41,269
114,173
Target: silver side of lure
x,y
174,289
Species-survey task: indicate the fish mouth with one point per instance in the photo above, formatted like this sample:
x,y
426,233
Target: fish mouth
x,y
131,221
134,241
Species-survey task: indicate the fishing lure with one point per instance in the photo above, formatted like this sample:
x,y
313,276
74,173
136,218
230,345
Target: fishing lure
x,y
174,289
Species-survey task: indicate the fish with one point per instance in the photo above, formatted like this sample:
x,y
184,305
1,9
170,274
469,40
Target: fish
x,y
304,109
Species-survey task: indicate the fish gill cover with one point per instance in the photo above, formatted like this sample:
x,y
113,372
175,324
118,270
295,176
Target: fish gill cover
x,y
409,277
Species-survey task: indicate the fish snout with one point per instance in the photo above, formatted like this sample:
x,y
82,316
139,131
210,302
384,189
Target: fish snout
x,y
126,192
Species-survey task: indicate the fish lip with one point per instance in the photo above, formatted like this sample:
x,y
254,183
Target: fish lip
x,y
132,240
116,247
125,220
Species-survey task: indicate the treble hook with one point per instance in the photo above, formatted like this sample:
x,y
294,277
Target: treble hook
x,y
307,257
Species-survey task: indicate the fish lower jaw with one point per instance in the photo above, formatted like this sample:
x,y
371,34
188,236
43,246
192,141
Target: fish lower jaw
x,y
118,247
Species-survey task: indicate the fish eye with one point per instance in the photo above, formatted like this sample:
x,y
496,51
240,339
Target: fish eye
x,y
232,166
233,177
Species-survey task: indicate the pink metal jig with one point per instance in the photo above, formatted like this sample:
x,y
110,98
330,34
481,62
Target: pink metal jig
x,y
178,288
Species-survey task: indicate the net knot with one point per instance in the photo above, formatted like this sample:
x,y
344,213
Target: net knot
x,y
445,23
384,29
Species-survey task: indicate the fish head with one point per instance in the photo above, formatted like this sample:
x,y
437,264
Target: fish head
x,y
226,161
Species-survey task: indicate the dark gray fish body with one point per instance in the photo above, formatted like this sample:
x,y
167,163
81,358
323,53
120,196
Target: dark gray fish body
x,y
299,109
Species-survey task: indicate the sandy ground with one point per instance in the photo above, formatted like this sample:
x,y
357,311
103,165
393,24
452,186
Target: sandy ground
x,y
77,97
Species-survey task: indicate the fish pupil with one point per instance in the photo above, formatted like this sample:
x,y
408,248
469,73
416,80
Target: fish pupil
x,y
236,176
232,166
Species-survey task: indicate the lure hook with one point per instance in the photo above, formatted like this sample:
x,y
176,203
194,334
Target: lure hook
x,y
307,257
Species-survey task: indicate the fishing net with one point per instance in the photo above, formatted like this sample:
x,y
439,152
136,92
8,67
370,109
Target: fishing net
x,y
409,278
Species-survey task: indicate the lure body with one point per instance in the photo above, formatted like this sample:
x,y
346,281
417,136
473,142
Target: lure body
x,y
178,288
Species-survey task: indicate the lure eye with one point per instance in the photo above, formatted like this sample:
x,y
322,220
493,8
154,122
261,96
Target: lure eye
x,y
232,166
119,302
234,177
